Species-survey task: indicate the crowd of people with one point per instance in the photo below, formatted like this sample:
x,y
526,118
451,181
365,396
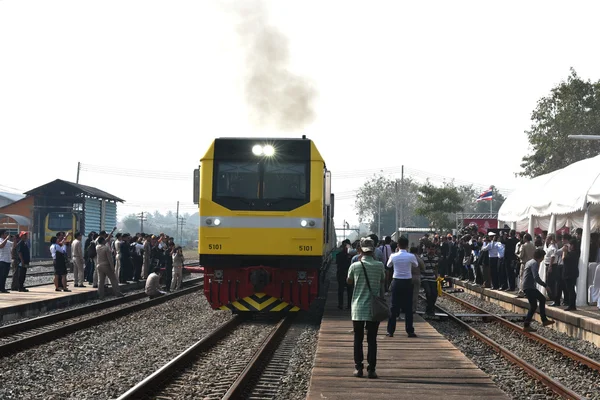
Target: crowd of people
x,y
505,260
15,255
120,258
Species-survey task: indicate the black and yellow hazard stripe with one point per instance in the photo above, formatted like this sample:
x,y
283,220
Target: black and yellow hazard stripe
x,y
260,302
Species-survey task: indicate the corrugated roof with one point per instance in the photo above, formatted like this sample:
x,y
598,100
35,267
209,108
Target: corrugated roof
x,y
19,219
12,196
87,190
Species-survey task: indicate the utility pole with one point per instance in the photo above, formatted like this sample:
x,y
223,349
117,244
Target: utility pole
x,y
78,169
402,197
177,219
142,219
378,217
181,224
396,204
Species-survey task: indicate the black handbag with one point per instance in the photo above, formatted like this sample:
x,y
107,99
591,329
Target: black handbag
x,y
379,308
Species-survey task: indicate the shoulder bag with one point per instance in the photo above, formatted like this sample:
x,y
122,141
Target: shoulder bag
x,y
379,307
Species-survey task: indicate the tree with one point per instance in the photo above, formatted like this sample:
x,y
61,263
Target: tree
x,y
437,203
379,194
572,108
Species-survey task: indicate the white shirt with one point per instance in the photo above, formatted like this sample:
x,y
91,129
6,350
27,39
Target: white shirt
x,y
492,248
138,249
501,249
402,262
153,284
55,247
5,251
550,252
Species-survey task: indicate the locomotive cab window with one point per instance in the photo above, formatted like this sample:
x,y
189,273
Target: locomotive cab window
x,y
60,221
263,186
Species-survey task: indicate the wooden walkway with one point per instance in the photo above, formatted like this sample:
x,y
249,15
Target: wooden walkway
x,y
40,293
426,367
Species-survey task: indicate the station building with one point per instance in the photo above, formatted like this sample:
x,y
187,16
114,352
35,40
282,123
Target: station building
x,y
60,206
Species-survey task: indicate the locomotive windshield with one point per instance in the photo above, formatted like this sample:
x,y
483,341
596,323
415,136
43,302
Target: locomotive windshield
x,y
266,185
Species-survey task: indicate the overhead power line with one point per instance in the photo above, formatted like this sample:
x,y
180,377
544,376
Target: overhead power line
x,y
342,175
137,173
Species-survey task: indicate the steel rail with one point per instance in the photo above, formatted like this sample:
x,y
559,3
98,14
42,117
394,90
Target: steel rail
x,y
266,349
46,336
50,273
38,322
537,374
572,354
155,381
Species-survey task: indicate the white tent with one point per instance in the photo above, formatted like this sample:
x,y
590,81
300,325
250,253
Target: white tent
x,y
567,197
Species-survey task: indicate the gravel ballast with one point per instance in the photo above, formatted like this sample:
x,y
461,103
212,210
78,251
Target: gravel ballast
x,y
108,296
511,379
579,345
294,385
106,360
574,376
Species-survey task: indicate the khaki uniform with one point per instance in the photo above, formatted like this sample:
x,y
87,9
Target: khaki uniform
x,y
78,262
106,268
147,260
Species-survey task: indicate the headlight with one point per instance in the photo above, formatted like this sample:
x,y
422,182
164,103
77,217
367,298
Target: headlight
x,y
217,222
269,150
257,150
209,221
303,223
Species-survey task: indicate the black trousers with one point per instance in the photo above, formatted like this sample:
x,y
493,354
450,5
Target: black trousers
x,y
88,272
552,278
570,295
561,287
401,298
534,296
359,336
509,267
168,277
4,269
502,274
431,294
494,272
137,268
342,284
22,275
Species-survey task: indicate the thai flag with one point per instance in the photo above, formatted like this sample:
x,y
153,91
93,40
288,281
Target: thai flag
x,y
485,196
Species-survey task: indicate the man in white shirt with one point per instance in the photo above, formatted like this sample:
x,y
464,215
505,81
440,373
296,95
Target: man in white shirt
x,y
153,284
548,268
492,248
402,263
5,258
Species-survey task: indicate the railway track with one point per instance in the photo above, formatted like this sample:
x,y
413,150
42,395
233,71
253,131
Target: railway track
x,y
564,383
50,272
23,335
254,364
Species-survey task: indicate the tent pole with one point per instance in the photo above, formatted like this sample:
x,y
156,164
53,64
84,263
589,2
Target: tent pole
x,y
583,259
530,227
552,227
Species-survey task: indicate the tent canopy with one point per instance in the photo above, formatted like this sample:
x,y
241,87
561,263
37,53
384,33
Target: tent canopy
x,y
563,192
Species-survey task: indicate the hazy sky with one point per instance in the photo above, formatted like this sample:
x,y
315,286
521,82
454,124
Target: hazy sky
x,y
128,87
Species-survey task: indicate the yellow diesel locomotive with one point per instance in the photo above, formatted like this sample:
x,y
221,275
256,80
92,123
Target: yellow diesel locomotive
x,y
266,223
